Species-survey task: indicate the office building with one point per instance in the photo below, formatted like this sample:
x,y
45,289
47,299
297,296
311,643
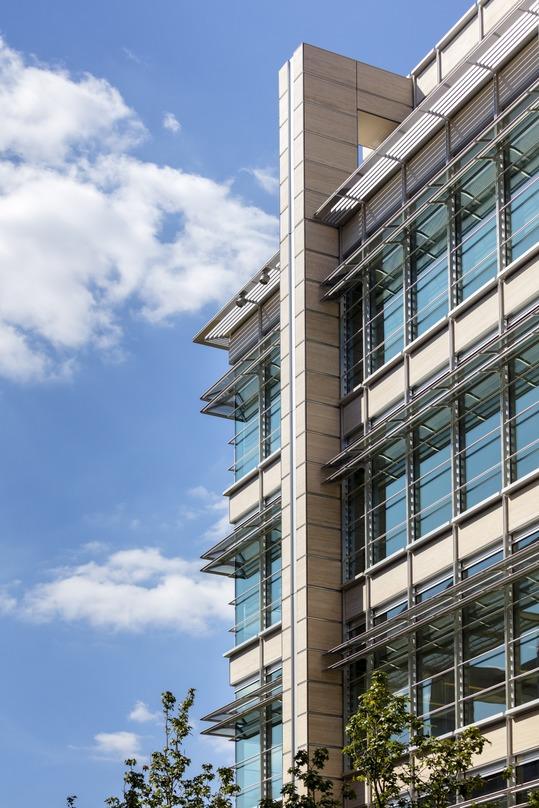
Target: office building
x,y
383,392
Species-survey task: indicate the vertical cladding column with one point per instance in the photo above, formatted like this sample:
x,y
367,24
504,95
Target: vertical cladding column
x,y
318,150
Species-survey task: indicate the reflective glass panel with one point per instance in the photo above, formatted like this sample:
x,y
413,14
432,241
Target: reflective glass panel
x,y
480,437
386,306
432,472
389,501
476,228
429,269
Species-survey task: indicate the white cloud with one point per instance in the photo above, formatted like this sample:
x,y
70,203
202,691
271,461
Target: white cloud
x,y
131,590
142,714
46,114
89,232
171,123
211,503
117,746
7,603
265,177
94,547
132,56
221,749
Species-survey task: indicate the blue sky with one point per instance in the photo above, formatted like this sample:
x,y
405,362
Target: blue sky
x,y
124,124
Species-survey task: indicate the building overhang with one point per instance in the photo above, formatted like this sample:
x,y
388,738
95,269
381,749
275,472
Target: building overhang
x,y
225,720
259,288
436,190
221,397
223,557
486,58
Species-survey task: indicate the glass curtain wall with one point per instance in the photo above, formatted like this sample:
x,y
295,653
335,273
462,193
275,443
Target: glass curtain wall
x,y
257,578
491,214
463,664
466,436
258,749
257,415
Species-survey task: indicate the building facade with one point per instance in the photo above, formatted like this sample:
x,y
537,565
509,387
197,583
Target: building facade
x,y
384,394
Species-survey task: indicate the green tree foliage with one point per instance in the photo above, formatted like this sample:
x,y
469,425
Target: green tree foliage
x,y
400,764
167,782
307,787
533,799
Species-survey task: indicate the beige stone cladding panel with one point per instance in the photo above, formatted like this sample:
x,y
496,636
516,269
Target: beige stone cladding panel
x,y
524,506
243,500
324,134
325,697
480,530
526,731
388,583
495,748
317,267
476,322
429,359
522,288
323,121
333,767
330,94
354,601
435,557
271,479
331,66
272,648
321,178
384,83
325,541
322,601
387,391
244,664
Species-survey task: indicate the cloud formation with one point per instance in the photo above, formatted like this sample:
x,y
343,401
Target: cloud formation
x,y
117,746
142,714
171,123
132,591
90,233
265,178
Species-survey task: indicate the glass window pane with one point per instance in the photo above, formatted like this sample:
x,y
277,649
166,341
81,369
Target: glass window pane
x,y
429,269
272,403
476,228
485,706
247,429
483,624
480,437
524,404
387,306
435,648
353,346
392,659
432,472
355,525
389,501
526,597
522,173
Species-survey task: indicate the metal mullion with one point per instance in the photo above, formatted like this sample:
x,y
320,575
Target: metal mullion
x,y
366,317
369,521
